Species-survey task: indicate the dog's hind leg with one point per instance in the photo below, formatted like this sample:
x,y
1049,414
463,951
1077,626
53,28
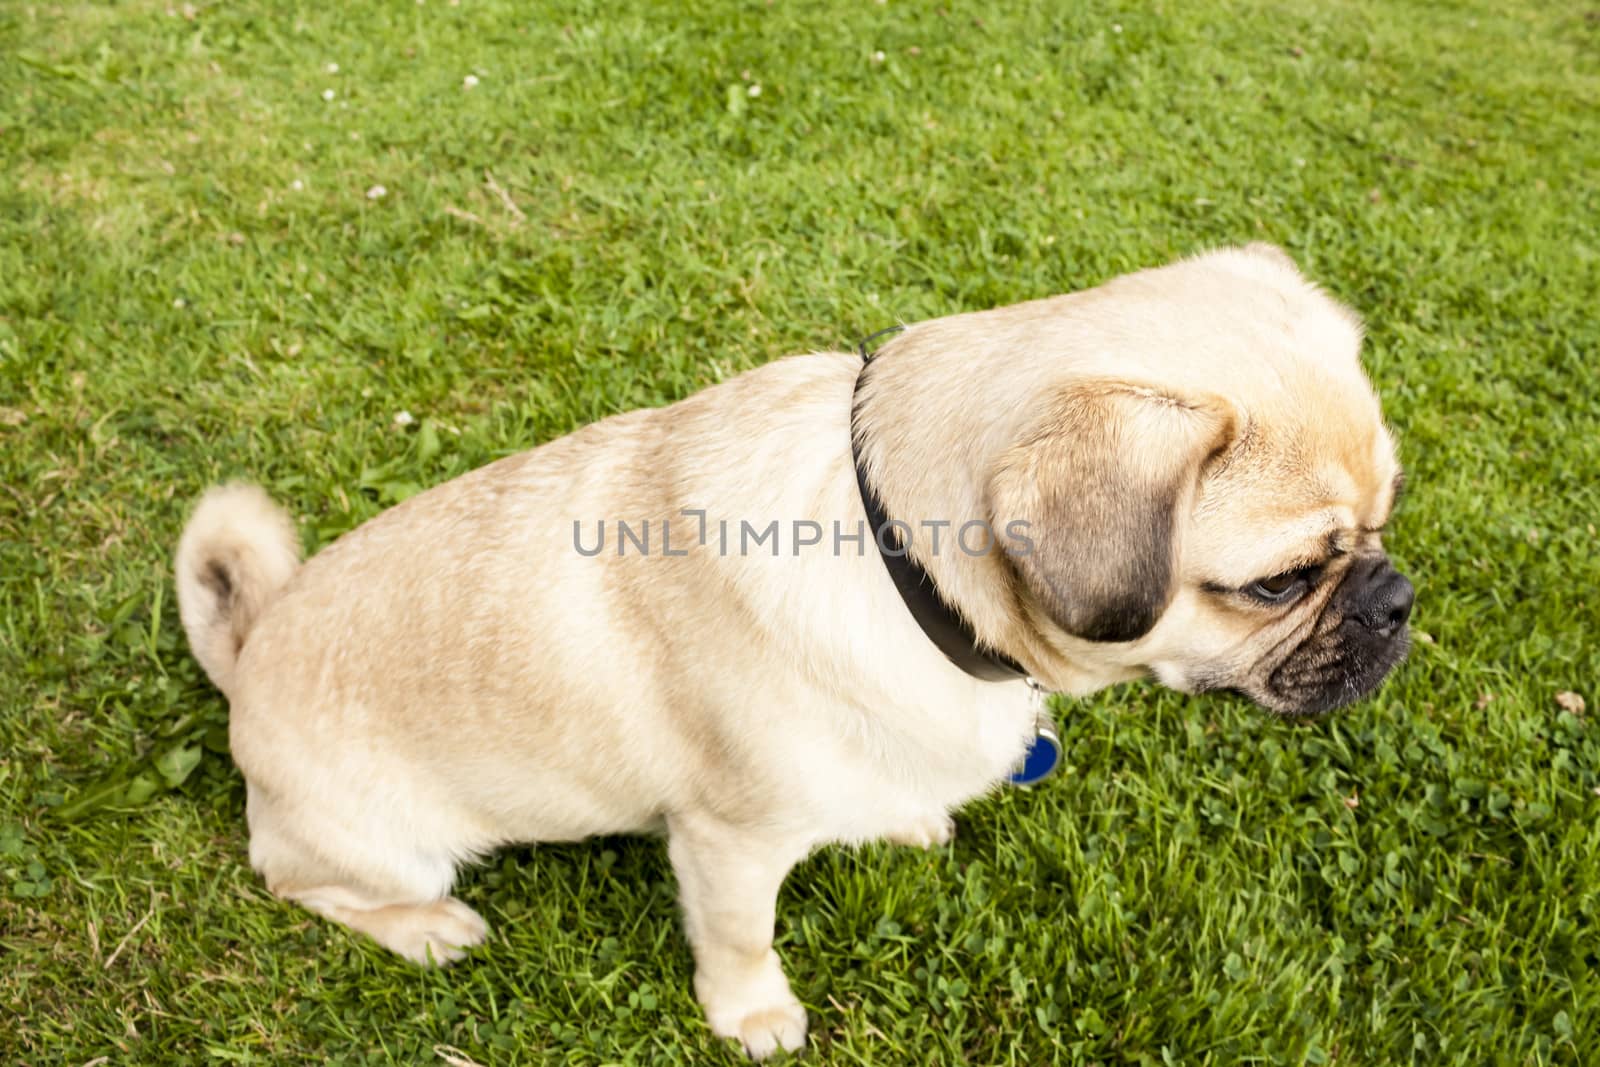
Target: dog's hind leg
x,y
428,932
396,895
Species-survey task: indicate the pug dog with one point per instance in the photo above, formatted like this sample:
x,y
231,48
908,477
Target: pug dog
x,y
676,620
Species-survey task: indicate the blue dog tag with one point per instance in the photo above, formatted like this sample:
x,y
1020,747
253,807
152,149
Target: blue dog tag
x,y
1041,759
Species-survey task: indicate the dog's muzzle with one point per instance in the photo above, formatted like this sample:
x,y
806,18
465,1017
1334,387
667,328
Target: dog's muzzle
x,y
1361,637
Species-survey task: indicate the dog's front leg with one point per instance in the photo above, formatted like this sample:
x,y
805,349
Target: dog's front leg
x,y
728,880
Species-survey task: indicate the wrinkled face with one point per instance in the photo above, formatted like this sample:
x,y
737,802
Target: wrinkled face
x,y
1266,575
1287,595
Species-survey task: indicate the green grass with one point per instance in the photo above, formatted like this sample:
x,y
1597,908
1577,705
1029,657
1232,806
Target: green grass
x,y
194,284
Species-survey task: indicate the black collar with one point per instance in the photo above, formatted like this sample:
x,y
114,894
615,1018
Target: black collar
x,y
946,627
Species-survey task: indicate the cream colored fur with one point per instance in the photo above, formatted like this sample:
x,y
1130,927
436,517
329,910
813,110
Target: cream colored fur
x,y
454,676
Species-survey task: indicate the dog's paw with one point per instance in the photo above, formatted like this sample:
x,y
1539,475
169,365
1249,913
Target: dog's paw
x,y
771,1030
758,1008
436,933
931,831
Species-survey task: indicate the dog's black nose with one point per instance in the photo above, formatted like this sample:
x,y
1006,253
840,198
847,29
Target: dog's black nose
x,y
1401,596
1385,599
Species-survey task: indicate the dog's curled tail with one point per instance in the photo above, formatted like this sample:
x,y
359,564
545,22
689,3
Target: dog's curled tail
x,y
237,552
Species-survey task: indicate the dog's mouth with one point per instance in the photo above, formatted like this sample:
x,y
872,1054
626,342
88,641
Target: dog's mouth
x,y
1332,671
1321,676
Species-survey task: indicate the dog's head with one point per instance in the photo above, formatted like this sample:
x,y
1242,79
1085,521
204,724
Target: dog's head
x,y
1204,485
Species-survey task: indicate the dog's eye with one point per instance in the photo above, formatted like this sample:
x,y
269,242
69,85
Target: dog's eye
x,y
1280,586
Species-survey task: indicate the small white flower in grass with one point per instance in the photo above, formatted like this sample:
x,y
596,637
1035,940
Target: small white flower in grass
x,y
469,82
179,302
297,185
754,90
404,418
877,57
377,192
1116,27
332,68
328,94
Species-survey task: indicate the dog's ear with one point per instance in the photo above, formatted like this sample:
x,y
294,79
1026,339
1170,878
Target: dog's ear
x,y
1102,477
